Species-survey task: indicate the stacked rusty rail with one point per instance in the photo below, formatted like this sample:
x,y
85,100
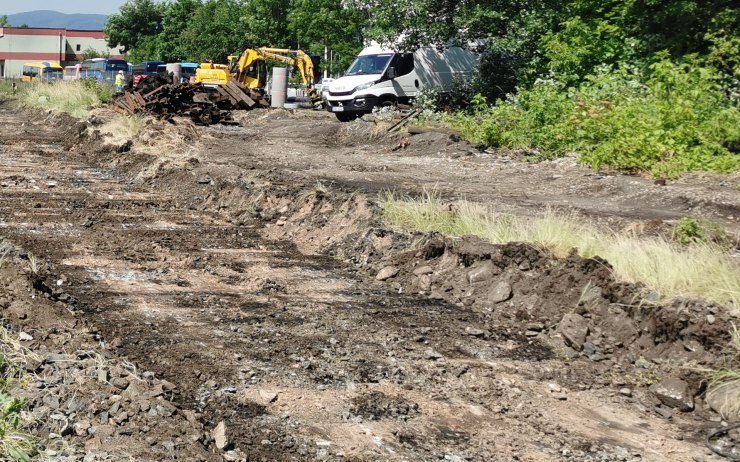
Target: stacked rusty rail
x,y
205,106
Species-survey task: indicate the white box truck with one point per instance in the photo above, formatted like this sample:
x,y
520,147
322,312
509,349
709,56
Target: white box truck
x,y
382,77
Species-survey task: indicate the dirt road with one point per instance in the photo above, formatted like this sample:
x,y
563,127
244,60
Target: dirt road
x,y
244,271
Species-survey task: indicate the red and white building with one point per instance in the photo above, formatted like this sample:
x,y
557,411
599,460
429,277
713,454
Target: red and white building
x,y
22,45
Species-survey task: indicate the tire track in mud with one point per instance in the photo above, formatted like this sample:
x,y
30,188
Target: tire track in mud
x,y
301,357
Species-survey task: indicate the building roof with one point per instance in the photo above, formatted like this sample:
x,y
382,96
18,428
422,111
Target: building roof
x,y
51,32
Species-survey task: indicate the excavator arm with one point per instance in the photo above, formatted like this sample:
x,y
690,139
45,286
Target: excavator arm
x,y
249,68
301,61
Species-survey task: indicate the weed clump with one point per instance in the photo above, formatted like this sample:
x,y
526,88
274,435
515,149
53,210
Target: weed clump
x,y
690,230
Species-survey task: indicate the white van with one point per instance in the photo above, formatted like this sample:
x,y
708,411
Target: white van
x,y
382,77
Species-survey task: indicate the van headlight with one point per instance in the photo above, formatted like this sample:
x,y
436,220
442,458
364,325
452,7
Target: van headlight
x,y
364,86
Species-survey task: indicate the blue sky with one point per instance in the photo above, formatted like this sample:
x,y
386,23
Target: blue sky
x,y
64,6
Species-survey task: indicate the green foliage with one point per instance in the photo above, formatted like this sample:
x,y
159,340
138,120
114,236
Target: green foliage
x,y
136,19
690,230
91,53
74,97
15,444
674,120
317,24
103,91
724,39
268,23
216,30
581,46
175,19
4,21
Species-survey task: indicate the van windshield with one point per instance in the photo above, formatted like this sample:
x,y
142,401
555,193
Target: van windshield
x,y
369,64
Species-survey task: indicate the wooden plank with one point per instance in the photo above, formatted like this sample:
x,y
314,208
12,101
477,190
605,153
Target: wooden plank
x,y
420,130
236,94
221,91
235,90
122,104
239,85
154,92
127,102
131,102
402,122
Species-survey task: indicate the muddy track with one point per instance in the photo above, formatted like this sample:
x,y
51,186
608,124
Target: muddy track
x,y
256,296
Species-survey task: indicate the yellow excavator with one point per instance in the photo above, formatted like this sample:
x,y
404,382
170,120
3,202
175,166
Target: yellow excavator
x,y
250,69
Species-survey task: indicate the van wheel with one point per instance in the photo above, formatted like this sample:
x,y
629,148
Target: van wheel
x,y
345,117
388,102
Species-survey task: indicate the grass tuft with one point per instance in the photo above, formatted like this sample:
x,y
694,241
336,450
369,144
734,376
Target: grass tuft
x,y
700,270
123,127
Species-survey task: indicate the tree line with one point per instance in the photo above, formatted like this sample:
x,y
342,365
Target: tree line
x,y
521,40
194,30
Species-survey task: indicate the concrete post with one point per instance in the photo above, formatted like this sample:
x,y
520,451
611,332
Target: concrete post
x,y
279,86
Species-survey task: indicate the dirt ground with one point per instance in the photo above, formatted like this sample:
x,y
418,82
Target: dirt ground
x,y
228,293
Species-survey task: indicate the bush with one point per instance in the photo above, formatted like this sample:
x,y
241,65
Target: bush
x,y
673,120
698,230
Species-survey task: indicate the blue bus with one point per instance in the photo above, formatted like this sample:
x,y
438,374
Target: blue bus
x,y
102,69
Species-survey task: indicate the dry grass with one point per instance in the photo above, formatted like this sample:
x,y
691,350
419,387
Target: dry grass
x,y
696,271
74,97
724,384
123,127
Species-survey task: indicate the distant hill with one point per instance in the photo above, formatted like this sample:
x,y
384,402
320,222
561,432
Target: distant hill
x,y
55,19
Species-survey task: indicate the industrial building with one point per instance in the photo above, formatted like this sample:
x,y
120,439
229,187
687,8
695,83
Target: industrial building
x,y
20,45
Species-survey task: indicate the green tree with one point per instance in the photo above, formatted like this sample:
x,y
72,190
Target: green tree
x,y
176,17
317,24
91,53
4,21
136,20
267,22
216,30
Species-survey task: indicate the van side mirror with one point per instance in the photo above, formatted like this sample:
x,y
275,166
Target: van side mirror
x,y
391,72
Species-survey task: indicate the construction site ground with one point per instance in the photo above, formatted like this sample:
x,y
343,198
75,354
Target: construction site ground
x,y
231,293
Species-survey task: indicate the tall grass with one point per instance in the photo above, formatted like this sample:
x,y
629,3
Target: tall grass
x,y
15,442
75,97
698,270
